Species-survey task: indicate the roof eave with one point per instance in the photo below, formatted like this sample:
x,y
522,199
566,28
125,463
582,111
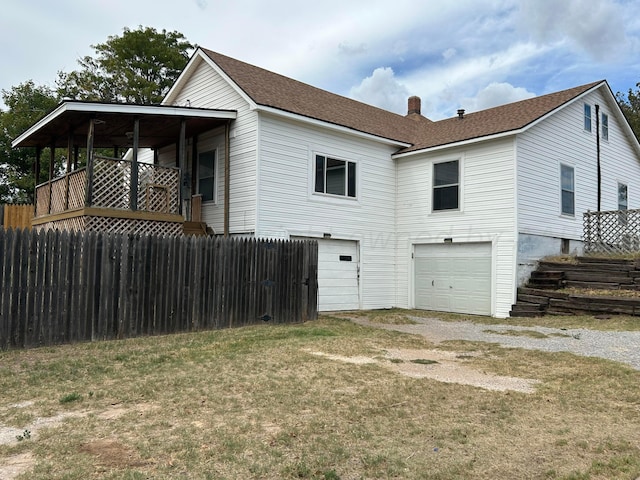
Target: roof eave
x,y
460,143
332,126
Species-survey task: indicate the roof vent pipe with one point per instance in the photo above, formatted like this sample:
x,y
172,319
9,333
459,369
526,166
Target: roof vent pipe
x,y
461,113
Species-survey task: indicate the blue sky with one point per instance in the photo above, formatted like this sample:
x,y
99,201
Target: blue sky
x,y
470,54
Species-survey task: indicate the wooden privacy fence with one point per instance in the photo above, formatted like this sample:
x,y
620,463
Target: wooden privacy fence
x,y
612,232
59,287
16,216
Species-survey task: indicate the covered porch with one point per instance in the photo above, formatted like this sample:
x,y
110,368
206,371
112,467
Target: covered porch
x,y
118,194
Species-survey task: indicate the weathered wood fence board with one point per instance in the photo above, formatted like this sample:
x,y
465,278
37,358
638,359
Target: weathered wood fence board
x,y
16,216
59,287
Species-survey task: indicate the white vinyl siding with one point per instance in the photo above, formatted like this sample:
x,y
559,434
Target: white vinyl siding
x,y
288,205
207,89
488,214
557,140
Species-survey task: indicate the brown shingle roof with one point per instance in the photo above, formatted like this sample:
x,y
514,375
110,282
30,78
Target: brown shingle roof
x,y
277,91
273,90
493,121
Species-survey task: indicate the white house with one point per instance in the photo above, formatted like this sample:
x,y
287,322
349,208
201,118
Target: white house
x,y
449,215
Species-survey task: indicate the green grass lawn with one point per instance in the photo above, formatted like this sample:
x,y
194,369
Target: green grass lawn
x,y
255,402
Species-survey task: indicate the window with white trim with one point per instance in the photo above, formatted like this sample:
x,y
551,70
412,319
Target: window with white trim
x,y
446,185
567,189
334,176
623,201
605,126
207,175
587,117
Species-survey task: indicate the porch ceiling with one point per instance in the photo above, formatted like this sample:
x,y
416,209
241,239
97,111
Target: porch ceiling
x,y
159,125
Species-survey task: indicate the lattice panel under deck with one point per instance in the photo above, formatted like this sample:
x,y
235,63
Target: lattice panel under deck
x,y
127,225
114,225
68,224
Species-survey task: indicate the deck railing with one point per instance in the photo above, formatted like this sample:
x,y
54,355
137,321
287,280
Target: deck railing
x,y
157,188
612,232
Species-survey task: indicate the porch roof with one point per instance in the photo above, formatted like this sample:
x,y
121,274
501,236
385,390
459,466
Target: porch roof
x,y
159,124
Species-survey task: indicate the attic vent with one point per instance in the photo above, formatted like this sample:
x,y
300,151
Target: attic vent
x,y
461,113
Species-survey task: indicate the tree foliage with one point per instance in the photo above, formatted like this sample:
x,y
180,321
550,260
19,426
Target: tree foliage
x,y
631,108
26,104
140,66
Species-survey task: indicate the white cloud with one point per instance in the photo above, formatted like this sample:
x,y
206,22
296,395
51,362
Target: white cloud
x,y
449,53
496,94
594,26
383,90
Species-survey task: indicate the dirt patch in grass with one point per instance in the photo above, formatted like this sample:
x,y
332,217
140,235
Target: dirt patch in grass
x,y
111,453
441,365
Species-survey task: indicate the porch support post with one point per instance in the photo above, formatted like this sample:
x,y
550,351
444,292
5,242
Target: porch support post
x,y
182,162
89,193
76,152
227,177
69,149
133,188
52,161
36,170
66,177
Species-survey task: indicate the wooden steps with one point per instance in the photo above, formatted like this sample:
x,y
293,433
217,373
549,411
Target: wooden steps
x,y
196,228
544,293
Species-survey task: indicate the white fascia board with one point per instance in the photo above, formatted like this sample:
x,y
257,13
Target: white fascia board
x,y
331,126
162,110
60,109
457,144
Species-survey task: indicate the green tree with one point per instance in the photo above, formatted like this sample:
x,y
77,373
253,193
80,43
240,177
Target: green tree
x,y
631,108
138,67
26,104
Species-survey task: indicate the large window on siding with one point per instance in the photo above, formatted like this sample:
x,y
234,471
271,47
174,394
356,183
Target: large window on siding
x,y
446,185
568,192
335,177
207,175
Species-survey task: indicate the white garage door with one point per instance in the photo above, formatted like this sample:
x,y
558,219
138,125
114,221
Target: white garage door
x,y
338,275
453,277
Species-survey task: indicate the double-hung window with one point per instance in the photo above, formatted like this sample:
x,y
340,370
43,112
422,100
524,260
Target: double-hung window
x,y
207,175
446,185
605,126
568,191
587,117
335,177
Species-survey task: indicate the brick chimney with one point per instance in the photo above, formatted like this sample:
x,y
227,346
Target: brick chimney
x,y
414,105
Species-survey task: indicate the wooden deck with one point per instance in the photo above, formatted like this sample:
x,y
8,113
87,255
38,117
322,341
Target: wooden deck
x,y
112,198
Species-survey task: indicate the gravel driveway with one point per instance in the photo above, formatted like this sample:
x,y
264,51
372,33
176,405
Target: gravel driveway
x,y
621,347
